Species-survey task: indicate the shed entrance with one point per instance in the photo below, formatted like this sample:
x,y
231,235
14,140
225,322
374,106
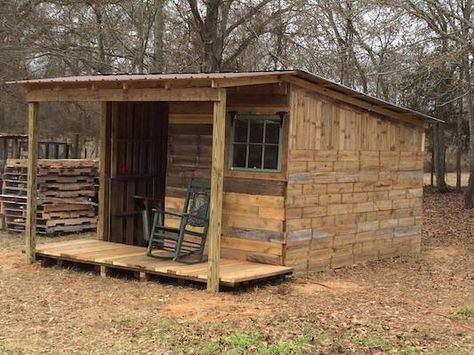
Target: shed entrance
x,y
138,135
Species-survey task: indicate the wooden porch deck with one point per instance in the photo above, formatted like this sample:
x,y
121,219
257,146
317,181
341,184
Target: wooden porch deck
x,y
110,255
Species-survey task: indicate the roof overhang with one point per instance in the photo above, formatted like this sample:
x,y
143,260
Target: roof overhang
x,y
199,87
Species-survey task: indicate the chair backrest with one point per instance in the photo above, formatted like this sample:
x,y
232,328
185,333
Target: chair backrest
x,y
197,202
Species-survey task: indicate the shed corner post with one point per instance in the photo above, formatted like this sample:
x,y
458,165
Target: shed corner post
x,y
217,181
104,133
32,190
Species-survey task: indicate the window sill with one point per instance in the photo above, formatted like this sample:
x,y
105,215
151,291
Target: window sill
x,y
258,175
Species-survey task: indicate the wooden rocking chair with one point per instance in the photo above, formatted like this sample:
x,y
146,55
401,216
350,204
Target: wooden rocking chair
x,y
190,238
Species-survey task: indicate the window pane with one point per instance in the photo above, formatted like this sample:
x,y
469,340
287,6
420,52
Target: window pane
x,y
272,132
271,157
240,131
255,156
256,131
240,151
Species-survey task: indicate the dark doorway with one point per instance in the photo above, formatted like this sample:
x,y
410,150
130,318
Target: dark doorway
x,y
138,144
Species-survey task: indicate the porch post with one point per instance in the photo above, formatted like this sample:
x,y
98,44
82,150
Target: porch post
x,y
217,181
31,202
102,225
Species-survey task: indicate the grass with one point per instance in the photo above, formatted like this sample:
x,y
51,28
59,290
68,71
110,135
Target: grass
x,y
243,343
466,312
4,349
376,342
408,350
386,313
161,336
372,341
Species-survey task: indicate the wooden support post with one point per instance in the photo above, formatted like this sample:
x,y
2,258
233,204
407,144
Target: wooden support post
x,y
102,225
217,181
32,190
142,276
104,270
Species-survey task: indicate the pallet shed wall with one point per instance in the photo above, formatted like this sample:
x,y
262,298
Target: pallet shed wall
x,y
253,205
354,184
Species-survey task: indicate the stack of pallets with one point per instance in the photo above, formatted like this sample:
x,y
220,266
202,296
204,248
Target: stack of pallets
x,y
66,188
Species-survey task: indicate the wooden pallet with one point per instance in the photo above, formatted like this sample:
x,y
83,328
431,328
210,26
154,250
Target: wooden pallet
x,y
109,255
65,188
21,179
50,215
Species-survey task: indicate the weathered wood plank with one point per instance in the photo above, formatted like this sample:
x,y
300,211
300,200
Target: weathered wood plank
x,y
104,167
217,182
31,202
108,255
131,94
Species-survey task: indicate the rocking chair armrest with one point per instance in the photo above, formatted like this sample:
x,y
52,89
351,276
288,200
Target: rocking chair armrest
x,y
168,212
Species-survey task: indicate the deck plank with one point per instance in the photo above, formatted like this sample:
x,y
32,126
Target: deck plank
x,y
92,253
64,243
108,254
66,248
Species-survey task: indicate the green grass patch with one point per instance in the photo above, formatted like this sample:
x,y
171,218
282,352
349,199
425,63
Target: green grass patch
x,y
242,343
372,341
408,350
161,336
4,349
466,312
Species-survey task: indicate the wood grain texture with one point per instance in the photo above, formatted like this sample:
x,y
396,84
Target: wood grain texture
x,y
107,255
104,171
119,94
354,184
31,202
217,185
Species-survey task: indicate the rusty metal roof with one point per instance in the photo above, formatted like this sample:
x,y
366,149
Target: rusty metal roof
x,y
123,78
154,77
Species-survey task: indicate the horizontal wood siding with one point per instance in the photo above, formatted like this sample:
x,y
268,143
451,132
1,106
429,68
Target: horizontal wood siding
x,y
354,184
189,155
253,208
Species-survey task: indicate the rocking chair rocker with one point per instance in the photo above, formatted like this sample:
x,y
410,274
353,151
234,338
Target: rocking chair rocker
x,y
190,238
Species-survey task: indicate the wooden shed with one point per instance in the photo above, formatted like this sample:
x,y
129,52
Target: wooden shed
x,y
305,174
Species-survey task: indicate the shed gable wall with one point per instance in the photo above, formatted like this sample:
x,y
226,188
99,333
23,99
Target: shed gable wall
x,y
354,184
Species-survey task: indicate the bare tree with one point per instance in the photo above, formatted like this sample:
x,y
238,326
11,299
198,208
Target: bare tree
x,y
219,20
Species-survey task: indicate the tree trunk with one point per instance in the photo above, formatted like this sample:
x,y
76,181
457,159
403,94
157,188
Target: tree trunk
x,y
468,197
459,141
102,65
432,160
212,57
440,164
158,31
432,157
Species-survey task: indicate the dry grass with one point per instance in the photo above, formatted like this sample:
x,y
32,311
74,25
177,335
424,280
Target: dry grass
x,y
405,306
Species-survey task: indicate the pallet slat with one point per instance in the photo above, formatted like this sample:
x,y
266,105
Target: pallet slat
x,y
65,190
133,258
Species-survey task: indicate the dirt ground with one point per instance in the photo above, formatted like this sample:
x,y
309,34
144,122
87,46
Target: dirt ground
x,y
422,304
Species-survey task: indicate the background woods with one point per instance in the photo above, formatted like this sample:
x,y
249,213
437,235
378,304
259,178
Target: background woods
x,y
416,53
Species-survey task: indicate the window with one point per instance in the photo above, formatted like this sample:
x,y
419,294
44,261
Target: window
x,y
256,142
